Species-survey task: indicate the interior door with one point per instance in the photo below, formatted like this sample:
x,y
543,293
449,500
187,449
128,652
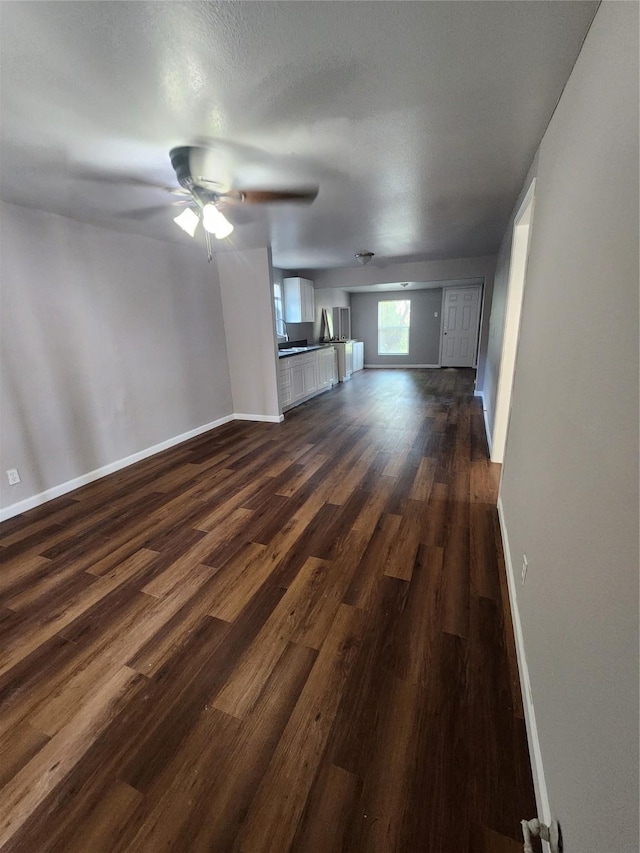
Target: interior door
x,y
460,325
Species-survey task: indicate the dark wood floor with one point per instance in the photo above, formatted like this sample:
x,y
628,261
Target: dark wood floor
x,y
289,637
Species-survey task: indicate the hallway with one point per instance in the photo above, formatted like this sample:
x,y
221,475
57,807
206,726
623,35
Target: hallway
x,y
289,637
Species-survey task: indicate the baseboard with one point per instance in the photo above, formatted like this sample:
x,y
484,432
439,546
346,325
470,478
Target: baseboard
x,y
270,419
486,421
399,366
535,753
71,485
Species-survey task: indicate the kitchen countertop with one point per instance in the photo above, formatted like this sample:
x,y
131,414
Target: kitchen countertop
x,y
284,353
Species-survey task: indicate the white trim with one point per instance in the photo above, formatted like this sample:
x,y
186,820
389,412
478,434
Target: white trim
x,y
513,311
71,485
270,419
400,365
535,753
480,322
487,431
528,196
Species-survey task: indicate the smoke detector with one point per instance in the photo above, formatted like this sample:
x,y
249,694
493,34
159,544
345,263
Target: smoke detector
x,y
364,257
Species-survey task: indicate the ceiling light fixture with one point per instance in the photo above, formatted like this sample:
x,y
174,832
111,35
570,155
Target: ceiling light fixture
x,y
188,220
215,222
364,257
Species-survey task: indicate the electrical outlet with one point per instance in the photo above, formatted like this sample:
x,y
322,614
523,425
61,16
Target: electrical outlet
x,y
525,566
435,314
13,477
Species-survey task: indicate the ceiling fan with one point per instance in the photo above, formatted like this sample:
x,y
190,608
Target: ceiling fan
x,y
208,200
212,179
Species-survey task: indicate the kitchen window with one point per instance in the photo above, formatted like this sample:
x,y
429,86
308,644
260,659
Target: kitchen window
x,y
394,318
279,310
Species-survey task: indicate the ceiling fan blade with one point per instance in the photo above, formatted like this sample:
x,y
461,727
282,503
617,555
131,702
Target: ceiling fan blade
x,y
127,180
237,214
221,168
304,194
142,213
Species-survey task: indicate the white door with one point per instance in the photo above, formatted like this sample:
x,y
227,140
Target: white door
x,y
461,318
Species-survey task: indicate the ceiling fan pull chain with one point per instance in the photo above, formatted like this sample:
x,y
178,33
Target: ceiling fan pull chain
x,y
207,237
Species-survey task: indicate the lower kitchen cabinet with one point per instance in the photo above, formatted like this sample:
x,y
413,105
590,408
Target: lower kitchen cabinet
x,y
345,360
286,383
297,382
327,372
310,372
305,375
358,355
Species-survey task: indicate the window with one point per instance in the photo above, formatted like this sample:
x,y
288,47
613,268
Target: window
x,y
393,327
277,301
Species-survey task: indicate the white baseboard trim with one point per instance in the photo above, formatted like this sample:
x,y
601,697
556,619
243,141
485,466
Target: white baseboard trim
x,y
270,419
486,422
71,485
535,753
397,366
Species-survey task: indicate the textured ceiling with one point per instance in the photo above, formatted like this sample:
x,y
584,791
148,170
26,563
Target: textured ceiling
x,y
418,120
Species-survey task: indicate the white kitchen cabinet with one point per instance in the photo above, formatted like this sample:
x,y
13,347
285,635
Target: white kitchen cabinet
x,y
345,359
334,368
298,300
327,372
297,382
358,355
305,375
286,386
310,372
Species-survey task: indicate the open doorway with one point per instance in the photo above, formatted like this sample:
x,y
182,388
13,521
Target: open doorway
x,y
513,312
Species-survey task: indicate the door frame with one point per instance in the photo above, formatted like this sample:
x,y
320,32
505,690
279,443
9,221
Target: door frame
x,y
480,312
516,286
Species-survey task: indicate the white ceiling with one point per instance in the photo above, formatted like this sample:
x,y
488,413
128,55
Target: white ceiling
x,y
419,120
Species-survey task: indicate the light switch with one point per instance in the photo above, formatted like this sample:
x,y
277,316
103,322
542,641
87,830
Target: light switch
x,y
435,313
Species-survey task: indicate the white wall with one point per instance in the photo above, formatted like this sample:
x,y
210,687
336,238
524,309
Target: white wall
x,y
454,269
424,331
111,344
247,300
570,478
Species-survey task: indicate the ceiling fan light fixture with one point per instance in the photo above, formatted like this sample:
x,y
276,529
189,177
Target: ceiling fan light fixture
x,y
364,257
215,222
188,221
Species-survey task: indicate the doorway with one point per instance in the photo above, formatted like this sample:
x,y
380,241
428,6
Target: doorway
x,y
513,313
460,326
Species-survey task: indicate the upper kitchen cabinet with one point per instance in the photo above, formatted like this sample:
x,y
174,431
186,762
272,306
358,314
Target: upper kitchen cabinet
x,y
298,300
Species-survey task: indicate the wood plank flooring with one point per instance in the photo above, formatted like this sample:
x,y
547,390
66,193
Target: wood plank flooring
x,y
274,637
